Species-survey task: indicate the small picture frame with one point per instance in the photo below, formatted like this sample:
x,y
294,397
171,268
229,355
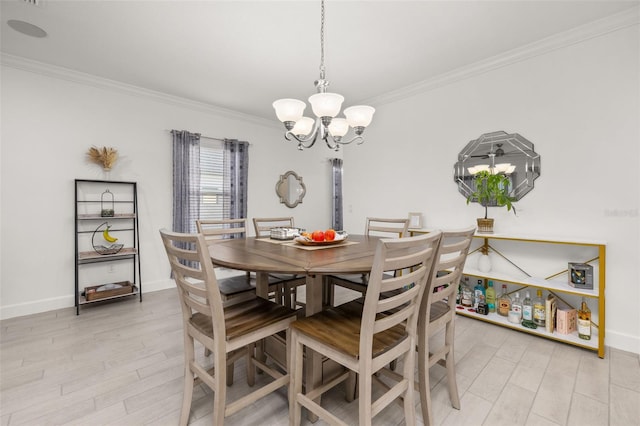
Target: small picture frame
x,y
415,220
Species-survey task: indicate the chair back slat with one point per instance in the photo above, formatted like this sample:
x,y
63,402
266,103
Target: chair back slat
x,y
197,286
452,256
214,229
263,225
387,227
415,254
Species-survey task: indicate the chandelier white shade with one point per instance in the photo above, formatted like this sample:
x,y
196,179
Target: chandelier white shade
x,y
326,107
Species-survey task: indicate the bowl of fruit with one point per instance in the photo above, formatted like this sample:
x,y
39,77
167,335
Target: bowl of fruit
x,y
321,238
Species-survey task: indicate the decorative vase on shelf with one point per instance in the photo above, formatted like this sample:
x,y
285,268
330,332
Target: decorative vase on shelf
x,y
484,263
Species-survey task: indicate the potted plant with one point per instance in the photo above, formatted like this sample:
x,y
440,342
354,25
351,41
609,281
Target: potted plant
x,y
491,189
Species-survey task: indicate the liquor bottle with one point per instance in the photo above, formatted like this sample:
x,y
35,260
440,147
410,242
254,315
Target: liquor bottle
x,y
527,310
478,294
491,297
467,294
515,313
539,313
584,321
504,302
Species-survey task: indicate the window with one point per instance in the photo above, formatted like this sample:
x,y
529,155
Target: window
x,y
211,179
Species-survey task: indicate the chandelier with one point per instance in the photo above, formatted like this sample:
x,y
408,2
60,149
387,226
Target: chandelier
x,y
326,106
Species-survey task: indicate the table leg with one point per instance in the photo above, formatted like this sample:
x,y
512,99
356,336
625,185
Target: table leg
x,y
313,373
262,285
262,290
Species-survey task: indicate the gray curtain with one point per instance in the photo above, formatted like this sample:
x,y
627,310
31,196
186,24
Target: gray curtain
x,y
186,180
336,177
236,178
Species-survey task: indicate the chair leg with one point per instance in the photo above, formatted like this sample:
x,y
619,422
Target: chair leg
x,y
187,394
251,371
365,382
451,366
230,374
423,376
351,386
409,396
295,383
220,393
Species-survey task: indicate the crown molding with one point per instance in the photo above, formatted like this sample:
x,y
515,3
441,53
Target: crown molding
x,y
67,74
579,34
561,40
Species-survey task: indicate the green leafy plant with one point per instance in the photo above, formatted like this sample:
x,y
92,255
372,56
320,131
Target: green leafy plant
x,y
491,188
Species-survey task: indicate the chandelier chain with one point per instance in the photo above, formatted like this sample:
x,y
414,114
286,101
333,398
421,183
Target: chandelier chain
x,y
322,69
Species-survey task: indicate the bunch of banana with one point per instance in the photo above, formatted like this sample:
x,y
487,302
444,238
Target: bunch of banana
x,y
107,237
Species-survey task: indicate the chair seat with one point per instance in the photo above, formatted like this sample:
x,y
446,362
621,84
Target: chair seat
x,y
235,285
284,278
438,310
245,317
340,329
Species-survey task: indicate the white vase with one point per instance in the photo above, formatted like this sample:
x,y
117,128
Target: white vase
x,y
484,263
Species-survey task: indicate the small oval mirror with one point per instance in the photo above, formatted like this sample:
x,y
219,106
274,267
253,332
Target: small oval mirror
x,y
290,189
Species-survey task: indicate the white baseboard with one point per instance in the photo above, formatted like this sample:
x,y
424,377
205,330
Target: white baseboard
x,y
624,342
67,301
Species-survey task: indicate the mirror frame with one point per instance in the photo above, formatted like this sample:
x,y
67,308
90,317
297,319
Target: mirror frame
x,y
517,150
282,187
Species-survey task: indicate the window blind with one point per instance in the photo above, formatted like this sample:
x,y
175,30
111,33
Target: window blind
x,y
211,179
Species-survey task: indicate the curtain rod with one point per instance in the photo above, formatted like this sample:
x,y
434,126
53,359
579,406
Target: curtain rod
x,y
209,137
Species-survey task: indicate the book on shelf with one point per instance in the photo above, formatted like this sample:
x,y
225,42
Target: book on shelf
x,y
550,310
566,318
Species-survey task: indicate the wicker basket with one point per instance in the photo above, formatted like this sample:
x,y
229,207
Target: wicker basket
x,y
485,225
97,292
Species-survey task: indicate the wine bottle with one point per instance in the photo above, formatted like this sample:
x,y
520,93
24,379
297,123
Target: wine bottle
x,y
584,321
539,314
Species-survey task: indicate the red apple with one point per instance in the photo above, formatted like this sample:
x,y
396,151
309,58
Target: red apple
x,y
329,235
317,236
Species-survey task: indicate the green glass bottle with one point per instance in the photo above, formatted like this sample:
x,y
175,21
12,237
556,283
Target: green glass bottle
x,y
491,297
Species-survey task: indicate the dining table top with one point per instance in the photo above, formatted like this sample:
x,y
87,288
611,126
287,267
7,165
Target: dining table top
x,y
262,254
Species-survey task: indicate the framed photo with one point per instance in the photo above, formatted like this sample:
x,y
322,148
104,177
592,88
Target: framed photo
x,y
415,220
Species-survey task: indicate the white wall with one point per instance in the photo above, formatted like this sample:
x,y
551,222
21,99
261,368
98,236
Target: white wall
x,y
579,105
49,123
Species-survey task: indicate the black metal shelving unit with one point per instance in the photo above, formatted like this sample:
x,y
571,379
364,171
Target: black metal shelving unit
x,y
125,218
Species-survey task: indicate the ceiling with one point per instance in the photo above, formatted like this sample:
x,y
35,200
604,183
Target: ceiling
x,y
242,55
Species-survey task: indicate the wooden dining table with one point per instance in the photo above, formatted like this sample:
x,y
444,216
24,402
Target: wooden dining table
x,y
264,256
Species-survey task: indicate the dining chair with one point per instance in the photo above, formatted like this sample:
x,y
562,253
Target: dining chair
x,y
438,312
289,282
364,344
229,332
374,226
217,230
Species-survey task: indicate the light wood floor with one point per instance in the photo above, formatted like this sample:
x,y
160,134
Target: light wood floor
x,y
121,364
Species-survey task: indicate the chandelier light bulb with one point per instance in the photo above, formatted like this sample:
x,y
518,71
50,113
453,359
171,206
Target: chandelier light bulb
x,y
303,127
289,109
338,127
326,104
359,115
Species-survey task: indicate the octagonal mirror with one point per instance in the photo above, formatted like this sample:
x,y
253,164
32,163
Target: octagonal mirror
x,y
290,189
500,152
